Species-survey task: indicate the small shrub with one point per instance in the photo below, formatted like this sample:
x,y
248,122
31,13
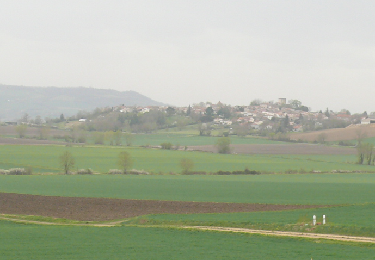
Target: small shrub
x,y
138,172
4,172
196,173
290,171
82,139
166,146
68,139
346,143
115,171
58,136
85,171
29,170
245,172
99,138
18,171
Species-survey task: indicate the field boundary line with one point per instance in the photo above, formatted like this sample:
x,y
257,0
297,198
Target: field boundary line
x,y
285,233
26,221
210,228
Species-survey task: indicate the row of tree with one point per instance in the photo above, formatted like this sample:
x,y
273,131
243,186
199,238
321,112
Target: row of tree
x,y
67,161
124,161
365,153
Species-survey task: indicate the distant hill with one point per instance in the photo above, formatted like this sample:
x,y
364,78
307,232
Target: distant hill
x,y
53,101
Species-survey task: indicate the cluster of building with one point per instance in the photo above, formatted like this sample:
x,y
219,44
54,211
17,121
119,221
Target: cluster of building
x,y
261,115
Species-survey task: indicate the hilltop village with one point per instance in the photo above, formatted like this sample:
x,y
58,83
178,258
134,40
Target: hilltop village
x,y
259,118
270,116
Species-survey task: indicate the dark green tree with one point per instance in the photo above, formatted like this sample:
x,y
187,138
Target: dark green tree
x,y
209,111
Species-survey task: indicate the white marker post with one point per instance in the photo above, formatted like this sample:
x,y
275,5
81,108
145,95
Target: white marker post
x,y
314,220
324,219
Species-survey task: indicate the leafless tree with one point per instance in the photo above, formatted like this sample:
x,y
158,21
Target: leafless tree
x,y
67,161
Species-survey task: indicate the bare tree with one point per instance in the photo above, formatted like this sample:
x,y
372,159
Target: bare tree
x,y
67,161
187,165
21,130
241,130
38,120
321,138
129,138
43,133
99,137
365,153
360,135
125,161
117,138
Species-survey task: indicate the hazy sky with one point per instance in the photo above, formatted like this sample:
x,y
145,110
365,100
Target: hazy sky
x,y
179,52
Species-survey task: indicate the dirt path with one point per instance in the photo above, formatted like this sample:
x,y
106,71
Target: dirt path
x,y
220,229
286,234
109,224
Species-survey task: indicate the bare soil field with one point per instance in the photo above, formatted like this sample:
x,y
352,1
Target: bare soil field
x,y
337,134
101,209
280,149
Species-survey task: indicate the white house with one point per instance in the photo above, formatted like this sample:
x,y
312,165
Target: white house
x,y
367,121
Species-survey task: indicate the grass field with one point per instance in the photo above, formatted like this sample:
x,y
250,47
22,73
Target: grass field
x,y
355,190
313,189
54,242
357,220
103,158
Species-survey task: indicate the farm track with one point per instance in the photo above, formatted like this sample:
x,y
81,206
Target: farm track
x,y
36,222
218,229
286,234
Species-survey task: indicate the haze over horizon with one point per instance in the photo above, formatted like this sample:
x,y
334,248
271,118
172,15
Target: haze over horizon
x,y
182,52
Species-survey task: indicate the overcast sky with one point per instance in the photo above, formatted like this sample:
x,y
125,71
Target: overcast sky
x,y
182,52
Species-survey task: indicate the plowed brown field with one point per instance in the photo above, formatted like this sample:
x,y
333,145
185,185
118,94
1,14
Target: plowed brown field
x,y
280,149
337,134
100,209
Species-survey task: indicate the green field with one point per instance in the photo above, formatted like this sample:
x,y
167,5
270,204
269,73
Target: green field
x,y
56,242
103,158
354,192
314,189
358,220
369,140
